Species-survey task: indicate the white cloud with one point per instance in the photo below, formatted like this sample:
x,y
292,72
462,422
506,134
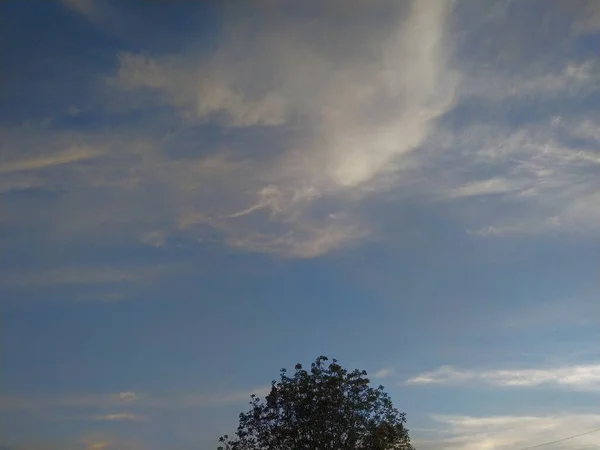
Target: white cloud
x,y
575,377
501,432
304,241
117,417
486,187
154,238
383,373
197,95
357,117
575,78
127,396
545,175
70,401
131,400
96,441
67,156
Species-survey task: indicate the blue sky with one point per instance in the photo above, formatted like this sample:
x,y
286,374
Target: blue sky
x,y
194,195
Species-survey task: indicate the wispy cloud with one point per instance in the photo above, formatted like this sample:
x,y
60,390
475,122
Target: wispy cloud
x,y
496,432
83,275
97,441
490,186
133,401
66,156
401,106
296,195
576,377
383,373
545,175
574,78
125,398
177,80
589,22
105,417
117,417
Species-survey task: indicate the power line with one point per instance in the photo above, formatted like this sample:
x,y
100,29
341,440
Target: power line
x,y
562,440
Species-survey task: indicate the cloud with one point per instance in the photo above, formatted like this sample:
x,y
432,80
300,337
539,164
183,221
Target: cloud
x,y
305,241
486,187
71,401
545,175
117,417
134,401
347,115
370,125
105,417
96,441
357,117
82,275
573,79
575,377
97,445
499,432
185,88
266,155
383,373
154,238
589,23
127,396
66,156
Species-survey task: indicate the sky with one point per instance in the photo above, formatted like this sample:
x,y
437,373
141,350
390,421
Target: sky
x,y
194,195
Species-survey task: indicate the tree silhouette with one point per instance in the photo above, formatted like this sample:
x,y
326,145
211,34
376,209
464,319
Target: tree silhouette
x,y
326,408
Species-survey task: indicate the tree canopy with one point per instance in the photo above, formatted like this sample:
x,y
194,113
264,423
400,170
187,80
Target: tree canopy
x,y
324,408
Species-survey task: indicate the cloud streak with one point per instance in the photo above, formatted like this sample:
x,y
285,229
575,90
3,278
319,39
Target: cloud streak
x,y
496,432
133,401
576,377
83,276
117,417
67,156
383,373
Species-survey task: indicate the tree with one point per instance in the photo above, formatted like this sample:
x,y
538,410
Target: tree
x,y
326,408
